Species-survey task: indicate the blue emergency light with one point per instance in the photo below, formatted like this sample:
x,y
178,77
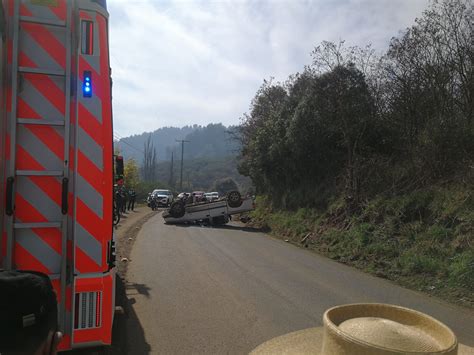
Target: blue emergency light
x,y
87,84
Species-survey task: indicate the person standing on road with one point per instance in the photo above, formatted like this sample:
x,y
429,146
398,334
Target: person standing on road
x,y
119,199
131,202
28,314
124,199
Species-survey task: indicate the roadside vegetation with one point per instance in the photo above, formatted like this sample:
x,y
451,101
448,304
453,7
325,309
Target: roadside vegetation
x,y
422,239
368,157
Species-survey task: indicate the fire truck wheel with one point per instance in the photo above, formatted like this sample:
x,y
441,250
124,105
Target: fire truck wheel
x,y
234,199
177,209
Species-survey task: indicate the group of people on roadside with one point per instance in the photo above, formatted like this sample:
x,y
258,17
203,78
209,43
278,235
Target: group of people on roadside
x,y
125,199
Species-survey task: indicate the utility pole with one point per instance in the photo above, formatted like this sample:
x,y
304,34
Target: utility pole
x,y
182,157
171,181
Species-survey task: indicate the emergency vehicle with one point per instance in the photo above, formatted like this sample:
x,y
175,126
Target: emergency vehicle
x,y
56,158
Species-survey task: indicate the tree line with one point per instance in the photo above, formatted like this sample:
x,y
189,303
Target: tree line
x,y
213,140
359,123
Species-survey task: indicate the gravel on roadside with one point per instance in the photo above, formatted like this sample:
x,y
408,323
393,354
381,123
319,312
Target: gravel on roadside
x,y
126,233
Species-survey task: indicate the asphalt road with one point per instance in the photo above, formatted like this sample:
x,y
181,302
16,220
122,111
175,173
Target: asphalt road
x,y
225,290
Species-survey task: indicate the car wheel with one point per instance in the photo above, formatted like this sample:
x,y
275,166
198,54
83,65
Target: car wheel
x,y
234,199
220,220
177,209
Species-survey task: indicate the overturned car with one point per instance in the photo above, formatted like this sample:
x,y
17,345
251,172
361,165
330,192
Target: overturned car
x,y
212,212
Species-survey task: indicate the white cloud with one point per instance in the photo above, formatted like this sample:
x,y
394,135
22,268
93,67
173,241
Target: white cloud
x,y
185,62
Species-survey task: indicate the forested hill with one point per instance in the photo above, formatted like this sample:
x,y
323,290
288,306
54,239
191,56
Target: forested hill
x,y
211,141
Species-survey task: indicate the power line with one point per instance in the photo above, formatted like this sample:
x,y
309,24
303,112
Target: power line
x,y
131,146
118,135
122,140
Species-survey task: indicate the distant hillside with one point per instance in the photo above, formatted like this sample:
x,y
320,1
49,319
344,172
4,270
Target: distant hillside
x,y
211,141
201,173
132,147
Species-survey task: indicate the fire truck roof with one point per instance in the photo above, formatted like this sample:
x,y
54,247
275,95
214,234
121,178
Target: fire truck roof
x,y
102,3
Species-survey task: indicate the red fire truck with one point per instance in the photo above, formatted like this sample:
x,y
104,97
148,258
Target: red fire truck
x,y
56,157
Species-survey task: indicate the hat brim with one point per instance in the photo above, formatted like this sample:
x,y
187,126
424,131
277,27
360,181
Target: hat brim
x,y
465,350
306,341
310,341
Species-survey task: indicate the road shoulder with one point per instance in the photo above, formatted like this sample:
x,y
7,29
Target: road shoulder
x,y
126,323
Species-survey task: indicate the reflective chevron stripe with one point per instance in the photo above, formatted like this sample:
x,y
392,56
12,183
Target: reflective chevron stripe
x,y
85,241
37,102
46,255
93,107
41,56
31,144
58,12
88,146
91,220
35,196
90,196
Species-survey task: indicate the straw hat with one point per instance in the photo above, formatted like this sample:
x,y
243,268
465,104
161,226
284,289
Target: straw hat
x,y
369,329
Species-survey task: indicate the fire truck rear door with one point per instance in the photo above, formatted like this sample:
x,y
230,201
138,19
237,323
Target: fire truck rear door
x,y
38,133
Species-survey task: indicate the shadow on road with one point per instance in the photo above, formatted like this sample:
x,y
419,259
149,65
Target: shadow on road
x,y
140,288
221,226
128,334
240,228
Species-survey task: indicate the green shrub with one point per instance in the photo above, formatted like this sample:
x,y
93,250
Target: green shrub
x,y
437,233
416,205
461,270
453,204
414,262
362,234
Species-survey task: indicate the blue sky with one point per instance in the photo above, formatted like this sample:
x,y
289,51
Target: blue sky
x,y
177,63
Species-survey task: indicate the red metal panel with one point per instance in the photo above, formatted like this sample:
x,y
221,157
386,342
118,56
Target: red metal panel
x,y
51,236
90,124
27,261
45,38
95,122
97,172
55,10
47,87
26,160
51,138
60,10
57,289
90,172
38,148
107,131
103,334
84,264
41,148
3,246
66,341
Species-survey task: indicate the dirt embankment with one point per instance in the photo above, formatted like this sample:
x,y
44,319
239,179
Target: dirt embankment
x,y
126,233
